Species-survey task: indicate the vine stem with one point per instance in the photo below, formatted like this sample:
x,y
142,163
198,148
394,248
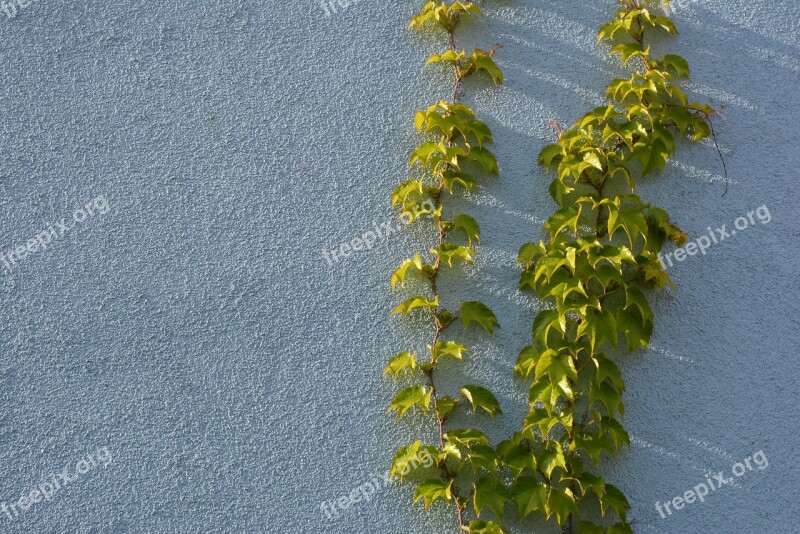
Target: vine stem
x,y
580,426
457,71
439,327
716,144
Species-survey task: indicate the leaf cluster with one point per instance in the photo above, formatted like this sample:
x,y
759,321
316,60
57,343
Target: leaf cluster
x,y
453,157
592,272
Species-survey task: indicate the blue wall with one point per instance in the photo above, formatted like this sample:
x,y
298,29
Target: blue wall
x,y
196,331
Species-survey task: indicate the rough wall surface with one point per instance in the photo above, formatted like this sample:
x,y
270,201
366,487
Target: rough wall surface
x,y
191,328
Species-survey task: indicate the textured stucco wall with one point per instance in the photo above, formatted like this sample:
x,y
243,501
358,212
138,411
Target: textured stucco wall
x,y
196,331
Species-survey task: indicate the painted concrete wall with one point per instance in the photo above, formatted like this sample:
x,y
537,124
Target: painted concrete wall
x,y
190,336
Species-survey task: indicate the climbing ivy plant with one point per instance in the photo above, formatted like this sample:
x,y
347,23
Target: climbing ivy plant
x,y
592,274
451,159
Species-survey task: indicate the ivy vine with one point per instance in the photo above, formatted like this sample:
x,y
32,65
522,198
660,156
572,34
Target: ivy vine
x,y
451,159
593,274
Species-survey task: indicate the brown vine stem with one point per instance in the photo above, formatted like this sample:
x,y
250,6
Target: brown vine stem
x,y
579,427
457,71
438,325
716,144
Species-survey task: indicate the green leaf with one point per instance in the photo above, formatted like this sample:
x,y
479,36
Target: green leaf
x,y
530,496
702,130
484,158
637,329
629,50
420,118
620,528
529,253
482,457
427,14
608,30
635,297
587,481
632,220
399,275
615,500
605,393
548,391
557,365
454,349
445,405
489,492
453,177
478,131
415,210
467,8
665,24
564,218
410,397
447,124
478,312
432,490
412,187
592,159
443,15
593,444
404,459
608,369
465,436
399,362
653,155
470,227
600,328
449,155
482,398
562,285
526,361
611,427
449,252
550,154
545,420
527,280
423,153
681,116
482,60
543,322
539,419
451,56
483,527
561,502
450,450
409,305
587,527
516,457
550,458
445,318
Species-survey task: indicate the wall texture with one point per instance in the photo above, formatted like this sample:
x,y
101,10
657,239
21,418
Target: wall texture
x,y
196,331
